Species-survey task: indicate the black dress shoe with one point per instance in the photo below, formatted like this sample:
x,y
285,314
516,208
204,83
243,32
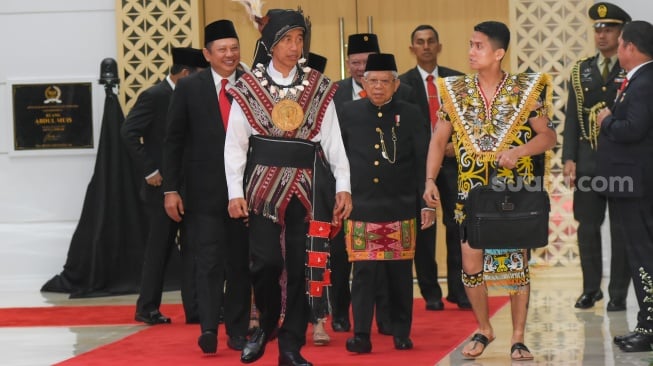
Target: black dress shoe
x,y
208,342
434,304
154,317
237,343
461,301
637,343
619,340
403,343
587,299
359,344
616,305
292,358
340,325
255,347
464,304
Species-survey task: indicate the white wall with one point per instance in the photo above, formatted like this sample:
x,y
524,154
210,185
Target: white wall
x,y
637,9
44,41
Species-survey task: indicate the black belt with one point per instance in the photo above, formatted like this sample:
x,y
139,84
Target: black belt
x,y
282,152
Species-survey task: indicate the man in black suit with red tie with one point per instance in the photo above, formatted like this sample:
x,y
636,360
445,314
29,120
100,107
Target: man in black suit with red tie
x,y
425,45
625,163
196,190
142,133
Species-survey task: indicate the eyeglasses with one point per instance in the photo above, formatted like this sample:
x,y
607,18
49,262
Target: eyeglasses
x,y
382,82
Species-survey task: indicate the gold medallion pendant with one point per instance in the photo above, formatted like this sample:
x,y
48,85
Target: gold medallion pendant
x,y
288,115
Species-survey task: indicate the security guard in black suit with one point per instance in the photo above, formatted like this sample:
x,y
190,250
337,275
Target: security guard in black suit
x,y
142,133
593,86
426,46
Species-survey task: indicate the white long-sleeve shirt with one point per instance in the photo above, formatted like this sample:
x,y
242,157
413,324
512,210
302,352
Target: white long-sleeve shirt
x,y
239,131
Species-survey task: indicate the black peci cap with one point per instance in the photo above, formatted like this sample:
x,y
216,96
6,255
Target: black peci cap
x,y
363,43
381,62
188,56
607,14
219,29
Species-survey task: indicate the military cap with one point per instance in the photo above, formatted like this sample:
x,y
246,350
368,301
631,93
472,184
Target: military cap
x,y
362,43
381,62
188,56
219,29
606,14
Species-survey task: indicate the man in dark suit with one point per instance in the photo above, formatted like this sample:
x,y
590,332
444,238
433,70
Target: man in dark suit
x,y
425,45
625,162
195,188
359,47
593,85
142,133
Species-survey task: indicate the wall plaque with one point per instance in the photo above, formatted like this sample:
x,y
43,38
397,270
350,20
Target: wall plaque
x,y
52,116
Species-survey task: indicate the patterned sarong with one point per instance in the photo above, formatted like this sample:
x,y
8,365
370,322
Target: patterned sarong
x,y
379,241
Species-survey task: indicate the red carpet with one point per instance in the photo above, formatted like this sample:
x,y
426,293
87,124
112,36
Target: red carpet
x,y
78,315
434,334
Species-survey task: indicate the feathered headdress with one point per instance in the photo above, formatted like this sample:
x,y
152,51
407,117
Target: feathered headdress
x,y
254,9
284,19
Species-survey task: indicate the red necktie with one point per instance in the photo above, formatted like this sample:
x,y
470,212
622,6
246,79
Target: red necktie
x,y
362,94
434,101
623,85
225,106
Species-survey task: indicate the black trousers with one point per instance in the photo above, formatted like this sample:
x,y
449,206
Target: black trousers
x,y
206,236
237,287
188,282
635,216
267,264
426,267
589,211
340,293
399,275
447,182
160,250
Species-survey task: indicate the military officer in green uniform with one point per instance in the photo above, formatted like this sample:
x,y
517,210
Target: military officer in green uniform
x,y
593,86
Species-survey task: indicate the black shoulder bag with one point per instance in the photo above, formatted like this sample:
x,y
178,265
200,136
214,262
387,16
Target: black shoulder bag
x,y
507,214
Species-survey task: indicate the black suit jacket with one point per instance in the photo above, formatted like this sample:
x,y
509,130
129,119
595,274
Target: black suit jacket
x,y
147,119
345,91
413,79
193,153
447,180
384,191
625,146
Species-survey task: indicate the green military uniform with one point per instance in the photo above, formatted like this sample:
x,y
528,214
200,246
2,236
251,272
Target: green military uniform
x,y
589,93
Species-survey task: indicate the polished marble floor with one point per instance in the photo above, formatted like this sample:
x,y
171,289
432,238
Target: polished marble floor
x,y
557,333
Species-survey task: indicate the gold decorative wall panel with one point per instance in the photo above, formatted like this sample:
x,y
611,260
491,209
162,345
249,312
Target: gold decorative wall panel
x,y
147,30
549,36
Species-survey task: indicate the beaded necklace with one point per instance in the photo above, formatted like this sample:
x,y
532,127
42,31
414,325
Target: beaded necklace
x,y
278,92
